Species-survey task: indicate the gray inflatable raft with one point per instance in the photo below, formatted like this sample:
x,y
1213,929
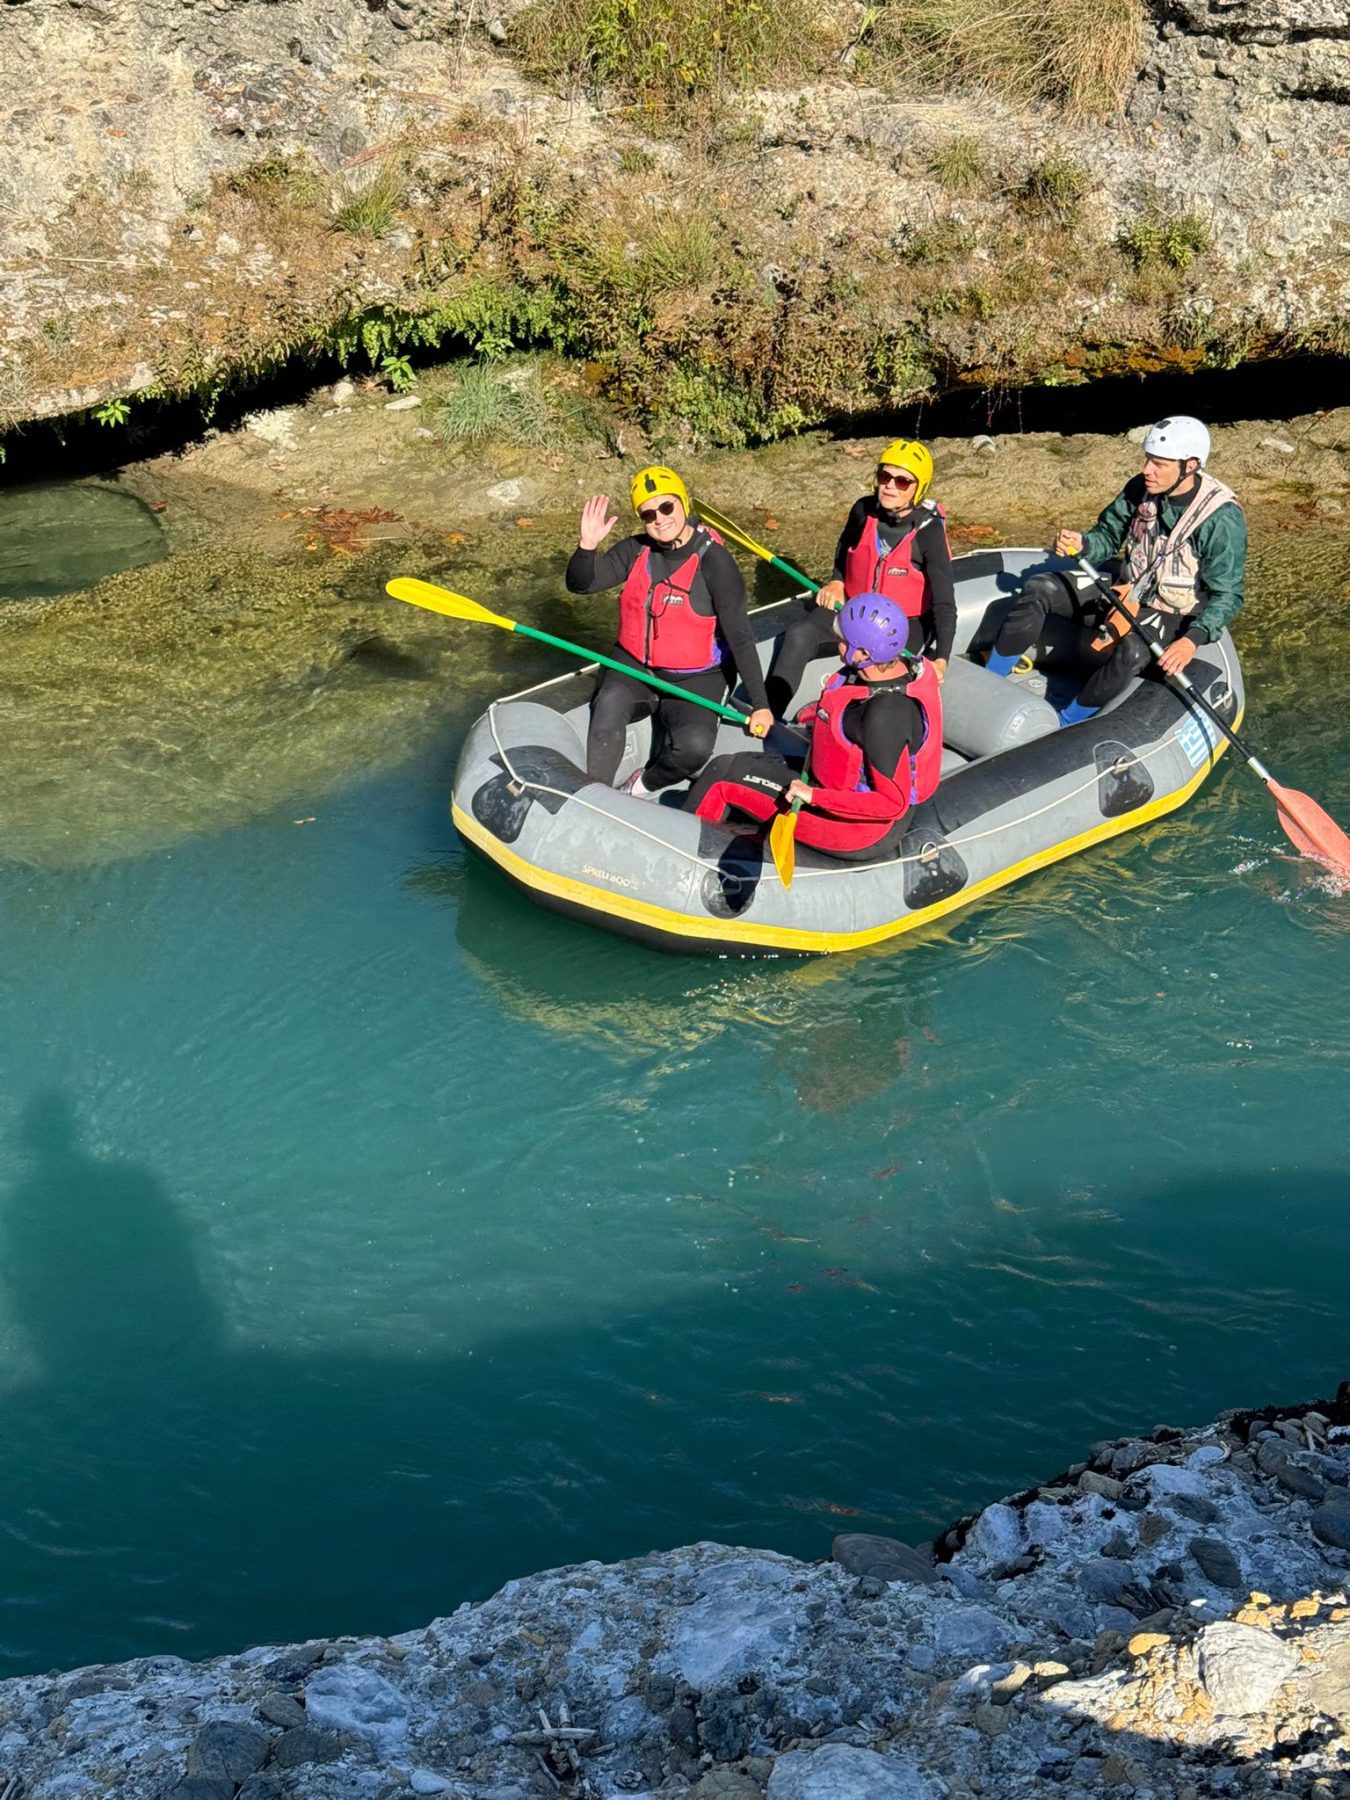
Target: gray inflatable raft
x,y
1018,791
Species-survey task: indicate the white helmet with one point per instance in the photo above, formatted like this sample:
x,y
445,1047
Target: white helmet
x,y
1177,439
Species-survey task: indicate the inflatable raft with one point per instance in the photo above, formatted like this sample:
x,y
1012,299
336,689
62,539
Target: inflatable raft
x,y
1018,791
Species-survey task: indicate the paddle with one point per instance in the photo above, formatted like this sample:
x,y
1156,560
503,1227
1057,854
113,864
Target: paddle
x,y
459,606
720,522
783,843
1309,829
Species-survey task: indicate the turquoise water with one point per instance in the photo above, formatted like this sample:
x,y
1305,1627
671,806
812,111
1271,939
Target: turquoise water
x,y
368,1237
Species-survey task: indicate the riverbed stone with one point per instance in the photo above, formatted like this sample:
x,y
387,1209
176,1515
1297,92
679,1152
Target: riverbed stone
x,y
1331,1520
1217,1563
360,1701
840,1772
306,1745
882,1558
1242,1668
225,1751
997,1533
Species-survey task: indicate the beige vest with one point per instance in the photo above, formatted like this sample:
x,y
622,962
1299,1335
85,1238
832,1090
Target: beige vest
x,y
1179,587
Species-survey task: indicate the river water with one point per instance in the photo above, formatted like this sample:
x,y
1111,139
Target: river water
x,y
368,1237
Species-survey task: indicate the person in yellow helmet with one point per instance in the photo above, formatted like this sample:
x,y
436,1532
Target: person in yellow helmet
x,y
894,543
682,615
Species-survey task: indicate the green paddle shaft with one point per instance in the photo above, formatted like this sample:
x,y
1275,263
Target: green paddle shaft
x,y
796,574
655,681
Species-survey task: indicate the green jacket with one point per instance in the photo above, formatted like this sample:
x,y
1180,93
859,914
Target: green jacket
x,y
1220,546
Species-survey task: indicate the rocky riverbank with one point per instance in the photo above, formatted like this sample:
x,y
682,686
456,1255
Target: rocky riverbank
x,y
1167,1618
193,195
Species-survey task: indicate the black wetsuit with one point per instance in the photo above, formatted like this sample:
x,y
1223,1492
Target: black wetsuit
x,y
812,633
682,733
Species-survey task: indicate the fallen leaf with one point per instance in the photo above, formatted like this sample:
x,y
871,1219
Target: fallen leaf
x,y
770,523
886,1173
796,1287
524,524
158,505
452,538
854,450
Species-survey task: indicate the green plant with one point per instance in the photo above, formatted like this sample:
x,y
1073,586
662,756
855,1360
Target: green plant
x,y
369,208
959,165
635,159
397,372
276,179
1054,188
1078,54
1171,239
659,52
489,400
113,412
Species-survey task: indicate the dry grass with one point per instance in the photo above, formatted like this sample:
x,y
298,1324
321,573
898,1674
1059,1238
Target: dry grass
x,y
1077,54
661,53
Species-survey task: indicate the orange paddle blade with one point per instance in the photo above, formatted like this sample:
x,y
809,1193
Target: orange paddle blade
x,y
1311,830
783,845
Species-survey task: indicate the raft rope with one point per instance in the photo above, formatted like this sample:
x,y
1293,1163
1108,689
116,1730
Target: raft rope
x,y
1128,760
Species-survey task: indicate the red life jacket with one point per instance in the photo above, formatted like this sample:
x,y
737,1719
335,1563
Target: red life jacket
x,y
870,568
837,762
657,620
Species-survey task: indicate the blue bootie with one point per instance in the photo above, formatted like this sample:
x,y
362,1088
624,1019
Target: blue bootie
x,y
998,664
1074,714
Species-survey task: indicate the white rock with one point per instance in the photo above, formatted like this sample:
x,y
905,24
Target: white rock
x,y
344,392
1242,1668
1206,1454
1167,1478
404,403
1281,446
997,1533
984,445
839,1772
508,492
1044,1523
427,1781
1139,433
275,427
747,1616
348,1698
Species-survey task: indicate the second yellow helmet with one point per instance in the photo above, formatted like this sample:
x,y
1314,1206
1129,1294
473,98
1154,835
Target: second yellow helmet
x,y
908,453
657,479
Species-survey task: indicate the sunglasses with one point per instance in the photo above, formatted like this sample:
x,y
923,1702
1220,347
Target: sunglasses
x,y
661,511
889,478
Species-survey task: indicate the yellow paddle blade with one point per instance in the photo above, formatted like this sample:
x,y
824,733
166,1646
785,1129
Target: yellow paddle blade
x,y
783,846
720,522
442,600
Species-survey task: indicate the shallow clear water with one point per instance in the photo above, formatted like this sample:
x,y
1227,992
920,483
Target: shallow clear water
x,y
368,1237
59,536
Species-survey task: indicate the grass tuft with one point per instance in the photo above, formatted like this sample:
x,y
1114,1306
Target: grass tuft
x,y
369,207
960,167
1077,54
495,400
1172,240
1054,188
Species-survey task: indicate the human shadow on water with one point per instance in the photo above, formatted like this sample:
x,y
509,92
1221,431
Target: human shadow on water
x,y
170,1489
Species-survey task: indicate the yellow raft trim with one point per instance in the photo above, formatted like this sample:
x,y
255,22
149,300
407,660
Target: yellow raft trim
x,y
782,937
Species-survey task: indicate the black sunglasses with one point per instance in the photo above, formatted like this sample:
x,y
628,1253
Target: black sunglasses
x,y
661,511
885,475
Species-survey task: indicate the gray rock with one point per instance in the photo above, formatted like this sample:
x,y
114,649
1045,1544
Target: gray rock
x,y
1101,1578
306,1745
261,1787
359,1700
1272,1456
1104,1485
839,1772
1331,1521
996,1534
1217,1563
1196,1508
884,1558
984,445
1329,1689
224,1751
1242,1668
427,1781
1281,446
404,403
196,1787
282,1710
973,1632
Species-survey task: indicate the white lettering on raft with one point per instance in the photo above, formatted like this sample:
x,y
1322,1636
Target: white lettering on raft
x,y
605,875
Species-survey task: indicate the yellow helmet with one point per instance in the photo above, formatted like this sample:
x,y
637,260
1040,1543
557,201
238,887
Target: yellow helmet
x,y
908,453
657,480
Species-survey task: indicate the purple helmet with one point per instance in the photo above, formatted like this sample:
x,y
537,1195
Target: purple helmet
x,y
875,625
